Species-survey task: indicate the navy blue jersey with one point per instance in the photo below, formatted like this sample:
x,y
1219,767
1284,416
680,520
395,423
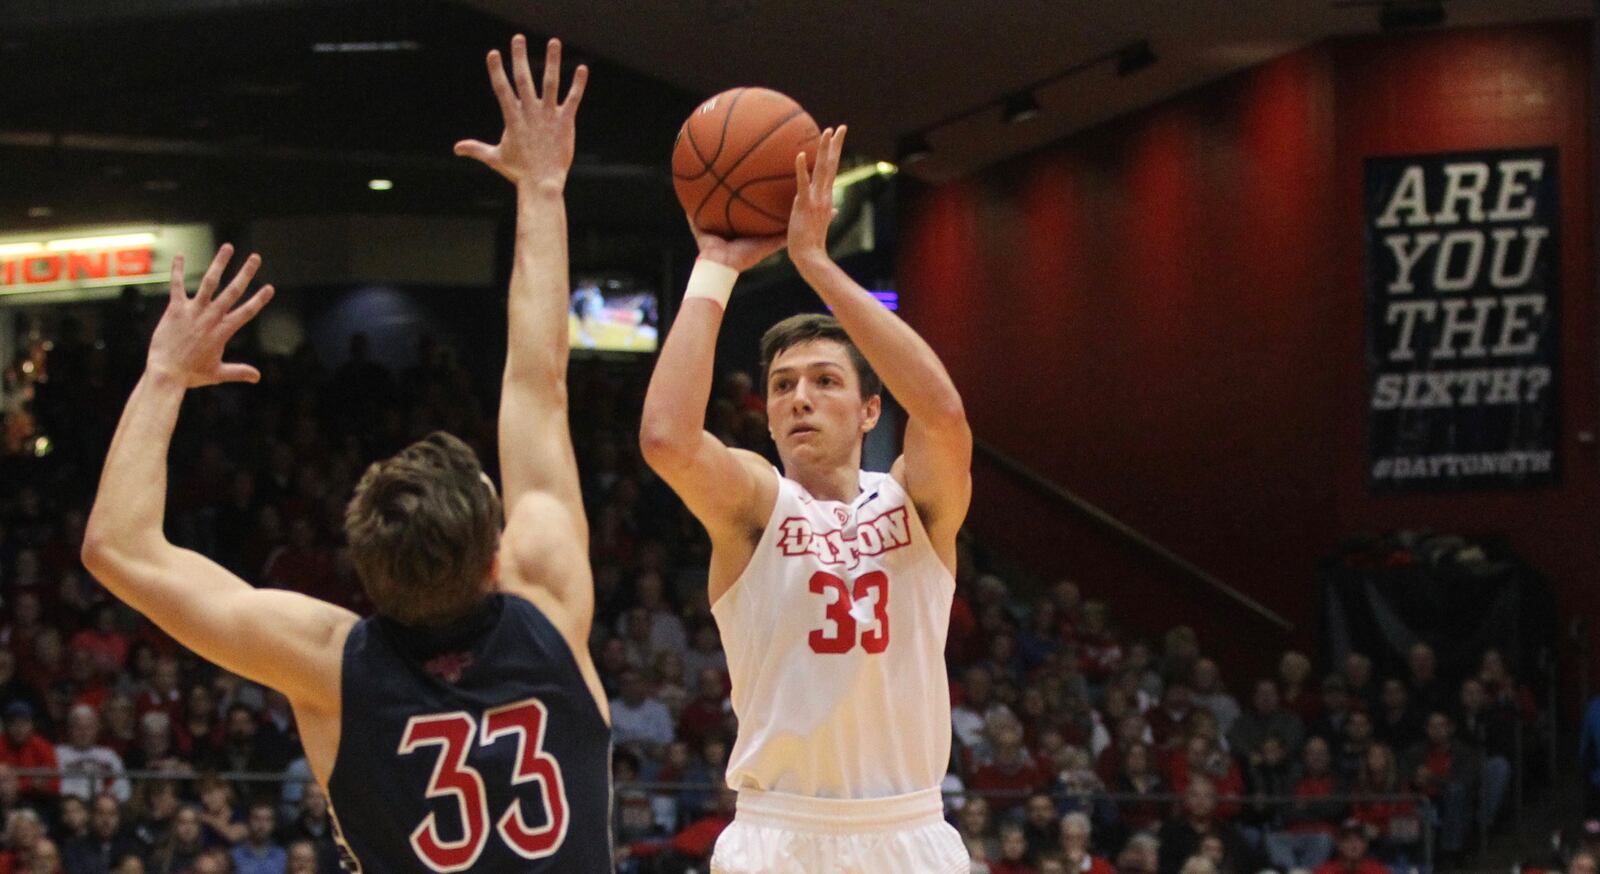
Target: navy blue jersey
x,y
474,747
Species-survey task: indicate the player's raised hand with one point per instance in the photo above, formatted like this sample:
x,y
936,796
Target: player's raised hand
x,y
740,253
813,199
537,144
189,340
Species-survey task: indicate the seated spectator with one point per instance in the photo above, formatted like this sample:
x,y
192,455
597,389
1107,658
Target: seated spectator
x,y
1360,682
46,858
639,722
1139,777
1013,774
154,807
1397,723
1167,721
1491,730
969,716
1210,694
1350,753
1204,759
1181,836
1265,716
687,849
1013,858
1426,691
72,820
1077,838
106,647
1180,649
707,713
1131,731
1334,710
23,748
121,723
1394,828
302,859
154,750
975,826
1447,771
24,830
705,653
1041,826
106,843
1503,689
198,735
223,822
1268,781
213,861
312,826
163,692
246,746
1304,836
1352,858
1141,855
1099,653
1294,691
258,853
88,767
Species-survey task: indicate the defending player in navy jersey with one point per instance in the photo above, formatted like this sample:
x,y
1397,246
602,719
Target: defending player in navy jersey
x,y
831,585
463,726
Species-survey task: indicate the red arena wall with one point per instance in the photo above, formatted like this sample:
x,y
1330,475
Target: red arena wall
x,y
1165,315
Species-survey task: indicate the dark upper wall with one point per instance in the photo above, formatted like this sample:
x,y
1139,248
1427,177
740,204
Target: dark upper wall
x,y
1165,315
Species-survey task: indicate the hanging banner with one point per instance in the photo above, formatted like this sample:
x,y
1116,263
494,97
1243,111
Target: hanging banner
x,y
1462,274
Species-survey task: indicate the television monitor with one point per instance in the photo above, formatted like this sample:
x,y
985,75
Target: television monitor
x,y
613,314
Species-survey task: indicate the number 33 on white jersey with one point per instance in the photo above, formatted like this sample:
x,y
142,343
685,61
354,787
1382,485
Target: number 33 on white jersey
x,y
835,637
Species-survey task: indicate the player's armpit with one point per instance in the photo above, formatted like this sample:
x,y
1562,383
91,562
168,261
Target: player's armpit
x,y
291,642
936,471
544,557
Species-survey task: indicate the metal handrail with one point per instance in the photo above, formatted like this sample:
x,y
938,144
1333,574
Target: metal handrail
x,y
1051,489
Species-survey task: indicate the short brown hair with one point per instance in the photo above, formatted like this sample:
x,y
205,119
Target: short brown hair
x,y
423,528
806,328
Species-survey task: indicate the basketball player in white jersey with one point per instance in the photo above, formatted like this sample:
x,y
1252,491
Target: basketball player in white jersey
x,y
831,585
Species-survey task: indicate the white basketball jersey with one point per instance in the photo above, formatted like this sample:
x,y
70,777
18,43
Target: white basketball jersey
x,y
835,637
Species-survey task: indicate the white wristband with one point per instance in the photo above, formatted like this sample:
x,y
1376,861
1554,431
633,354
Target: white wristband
x,y
712,281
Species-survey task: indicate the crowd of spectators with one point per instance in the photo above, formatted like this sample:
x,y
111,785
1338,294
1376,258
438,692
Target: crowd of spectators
x,y
1078,746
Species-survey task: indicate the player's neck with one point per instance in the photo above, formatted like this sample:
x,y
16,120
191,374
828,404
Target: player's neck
x,y
838,483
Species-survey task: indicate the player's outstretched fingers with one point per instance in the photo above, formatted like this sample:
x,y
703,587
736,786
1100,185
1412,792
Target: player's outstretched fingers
x,y
552,73
580,79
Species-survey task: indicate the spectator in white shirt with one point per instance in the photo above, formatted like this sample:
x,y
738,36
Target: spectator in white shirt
x,y
639,721
87,768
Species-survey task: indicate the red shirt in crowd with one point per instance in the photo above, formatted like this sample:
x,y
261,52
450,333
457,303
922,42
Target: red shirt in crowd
x,y
695,841
1363,866
35,752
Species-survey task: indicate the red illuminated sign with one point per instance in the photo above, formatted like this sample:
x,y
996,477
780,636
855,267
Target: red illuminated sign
x,y
43,268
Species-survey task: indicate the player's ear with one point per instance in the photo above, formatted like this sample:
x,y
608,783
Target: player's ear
x,y
870,411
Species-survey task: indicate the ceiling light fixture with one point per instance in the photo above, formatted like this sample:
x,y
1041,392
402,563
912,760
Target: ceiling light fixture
x,y
380,184
912,148
1135,58
1020,107
1411,14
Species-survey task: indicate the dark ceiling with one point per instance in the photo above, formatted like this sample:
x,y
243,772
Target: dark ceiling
x,y
222,110
227,113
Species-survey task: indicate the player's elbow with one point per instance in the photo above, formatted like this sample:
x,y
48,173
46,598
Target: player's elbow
x,y
662,446
101,553
947,412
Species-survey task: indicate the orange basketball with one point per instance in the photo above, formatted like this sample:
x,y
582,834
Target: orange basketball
x,y
733,164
